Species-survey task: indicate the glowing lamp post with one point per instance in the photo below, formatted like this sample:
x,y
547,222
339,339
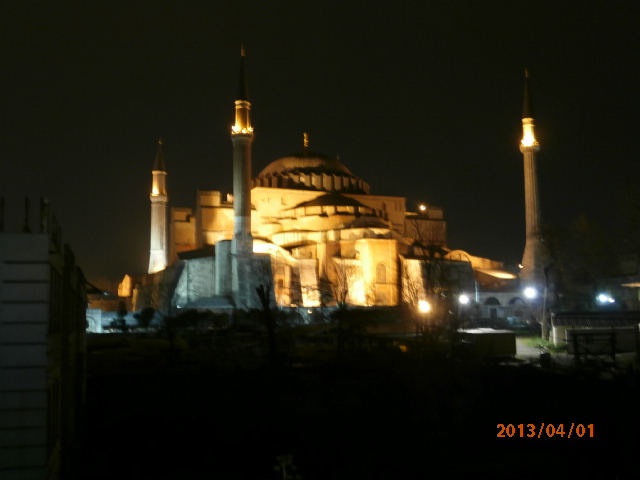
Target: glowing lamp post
x,y
531,294
424,306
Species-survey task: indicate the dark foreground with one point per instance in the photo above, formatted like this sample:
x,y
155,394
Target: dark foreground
x,y
387,416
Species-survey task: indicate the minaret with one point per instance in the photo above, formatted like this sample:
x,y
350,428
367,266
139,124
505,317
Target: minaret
x,y
242,138
158,253
532,273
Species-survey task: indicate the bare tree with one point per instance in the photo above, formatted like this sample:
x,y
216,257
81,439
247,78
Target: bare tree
x,y
428,276
411,282
264,290
343,274
144,317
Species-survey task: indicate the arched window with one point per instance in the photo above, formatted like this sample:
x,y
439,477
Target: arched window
x,y
381,273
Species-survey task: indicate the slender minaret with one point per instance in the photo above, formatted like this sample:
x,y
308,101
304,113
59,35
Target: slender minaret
x,y
532,273
158,253
242,138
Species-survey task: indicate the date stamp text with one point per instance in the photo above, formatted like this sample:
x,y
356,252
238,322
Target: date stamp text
x,y
530,430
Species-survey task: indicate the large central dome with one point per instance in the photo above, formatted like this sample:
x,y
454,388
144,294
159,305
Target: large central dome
x,y
310,171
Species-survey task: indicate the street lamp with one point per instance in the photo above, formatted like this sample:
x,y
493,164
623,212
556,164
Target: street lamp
x,y
424,306
605,298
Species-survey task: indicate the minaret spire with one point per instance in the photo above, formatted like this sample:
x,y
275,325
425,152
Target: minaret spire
x,y
532,273
242,138
159,198
243,105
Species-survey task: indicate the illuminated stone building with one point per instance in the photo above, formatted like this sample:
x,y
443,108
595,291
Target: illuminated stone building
x,y
304,225
317,221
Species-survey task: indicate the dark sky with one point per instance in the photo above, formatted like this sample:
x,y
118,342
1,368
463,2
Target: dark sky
x,y
421,99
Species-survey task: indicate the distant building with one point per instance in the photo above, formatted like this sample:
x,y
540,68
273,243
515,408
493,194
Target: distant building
x,y
303,225
42,352
104,308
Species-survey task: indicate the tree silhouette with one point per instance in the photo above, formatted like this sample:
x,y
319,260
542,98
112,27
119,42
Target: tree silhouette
x,y
144,317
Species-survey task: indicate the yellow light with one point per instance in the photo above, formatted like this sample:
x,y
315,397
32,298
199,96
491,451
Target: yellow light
x,y
424,306
241,130
423,207
528,137
528,140
155,191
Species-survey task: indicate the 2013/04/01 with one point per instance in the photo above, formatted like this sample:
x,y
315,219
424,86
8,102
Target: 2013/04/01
x,y
531,430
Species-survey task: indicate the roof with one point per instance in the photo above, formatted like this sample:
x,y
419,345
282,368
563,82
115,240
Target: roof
x,y
206,251
596,319
243,92
527,107
305,163
501,274
331,200
366,221
158,163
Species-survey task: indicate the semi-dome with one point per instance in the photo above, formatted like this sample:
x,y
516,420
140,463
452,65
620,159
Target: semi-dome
x,y
310,171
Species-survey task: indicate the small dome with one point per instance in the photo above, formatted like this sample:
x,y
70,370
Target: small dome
x,y
310,171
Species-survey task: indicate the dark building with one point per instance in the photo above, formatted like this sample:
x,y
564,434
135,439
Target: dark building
x,y
42,352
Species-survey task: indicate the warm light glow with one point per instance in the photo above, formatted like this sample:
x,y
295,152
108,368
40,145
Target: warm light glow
x,y
242,124
240,130
424,306
501,274
155,191
423,207
528,137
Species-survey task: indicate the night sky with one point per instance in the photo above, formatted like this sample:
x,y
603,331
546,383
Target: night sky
x,y
421,99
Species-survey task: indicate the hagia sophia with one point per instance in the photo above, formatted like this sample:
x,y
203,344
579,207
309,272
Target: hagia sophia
x,y
307,228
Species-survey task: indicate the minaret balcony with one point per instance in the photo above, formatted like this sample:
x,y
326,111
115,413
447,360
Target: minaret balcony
x,y
237,130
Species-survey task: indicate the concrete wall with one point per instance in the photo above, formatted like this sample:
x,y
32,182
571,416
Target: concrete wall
x,y
42,323
24,323
197,281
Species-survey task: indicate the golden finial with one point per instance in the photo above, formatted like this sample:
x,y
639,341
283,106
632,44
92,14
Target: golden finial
x,y
526,72
160,142
305,141
243,53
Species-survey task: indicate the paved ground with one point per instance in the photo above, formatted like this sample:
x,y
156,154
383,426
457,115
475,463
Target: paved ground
x,y
524,351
